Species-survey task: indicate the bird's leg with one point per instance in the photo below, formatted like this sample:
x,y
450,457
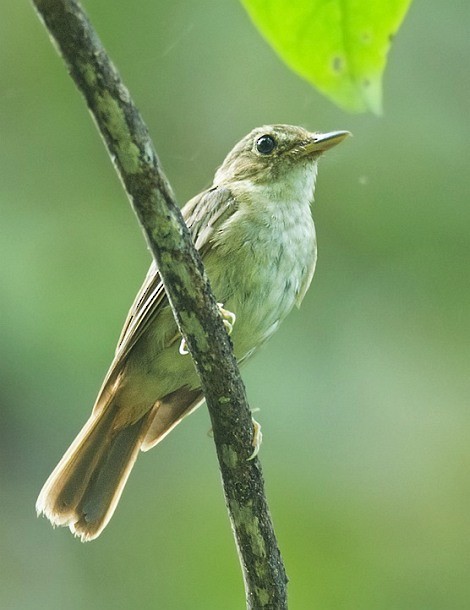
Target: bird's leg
x,y
228,318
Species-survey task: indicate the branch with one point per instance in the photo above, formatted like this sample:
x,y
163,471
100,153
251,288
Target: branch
x,y
128,143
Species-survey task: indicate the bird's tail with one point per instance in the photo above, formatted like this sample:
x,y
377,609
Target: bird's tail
x,y
85,487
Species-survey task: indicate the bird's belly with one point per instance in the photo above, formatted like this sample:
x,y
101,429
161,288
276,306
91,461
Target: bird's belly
x,y
261,291
257,277
259,312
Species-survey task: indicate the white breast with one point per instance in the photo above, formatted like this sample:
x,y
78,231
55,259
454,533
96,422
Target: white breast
x,y
263,260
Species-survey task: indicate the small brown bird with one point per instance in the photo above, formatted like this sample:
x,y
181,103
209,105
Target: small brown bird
x,y
254,230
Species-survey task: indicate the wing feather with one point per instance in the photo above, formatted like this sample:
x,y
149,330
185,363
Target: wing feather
x,y
203,215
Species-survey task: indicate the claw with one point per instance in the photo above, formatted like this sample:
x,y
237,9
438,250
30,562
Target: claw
x,y
228,318
183,350
257,439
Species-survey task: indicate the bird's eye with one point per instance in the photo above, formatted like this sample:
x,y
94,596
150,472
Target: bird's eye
x,y
265,145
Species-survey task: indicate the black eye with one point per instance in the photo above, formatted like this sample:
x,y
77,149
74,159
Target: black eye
x,y
265,145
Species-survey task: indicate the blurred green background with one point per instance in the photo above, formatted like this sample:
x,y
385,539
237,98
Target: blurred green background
x,y
363,392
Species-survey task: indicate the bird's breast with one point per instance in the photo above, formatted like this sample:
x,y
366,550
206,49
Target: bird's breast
x,y
260,265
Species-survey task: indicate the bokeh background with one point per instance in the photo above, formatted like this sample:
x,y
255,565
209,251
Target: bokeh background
x,y
364,392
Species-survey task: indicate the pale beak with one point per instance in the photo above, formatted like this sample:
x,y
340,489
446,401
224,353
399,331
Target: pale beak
x,y
324,141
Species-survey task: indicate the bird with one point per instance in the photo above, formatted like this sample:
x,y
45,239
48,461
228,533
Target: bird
x,y
254,230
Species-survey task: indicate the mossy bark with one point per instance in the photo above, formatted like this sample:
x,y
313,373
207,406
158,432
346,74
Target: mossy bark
x,y
133,154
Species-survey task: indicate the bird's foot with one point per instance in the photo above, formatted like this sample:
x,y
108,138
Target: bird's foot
x,y
257,438
183,350
228,318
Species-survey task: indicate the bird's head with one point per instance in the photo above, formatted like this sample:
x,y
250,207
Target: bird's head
x,y
276,154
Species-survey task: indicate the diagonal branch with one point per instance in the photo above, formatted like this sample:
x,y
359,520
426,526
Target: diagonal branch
x,y
128,143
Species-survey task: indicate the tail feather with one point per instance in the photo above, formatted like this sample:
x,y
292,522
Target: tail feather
x,y
85,487
169,412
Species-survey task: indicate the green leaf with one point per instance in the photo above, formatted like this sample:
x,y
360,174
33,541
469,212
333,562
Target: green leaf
x,y
340,46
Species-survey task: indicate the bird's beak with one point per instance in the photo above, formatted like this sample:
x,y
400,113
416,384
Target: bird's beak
x,y
324,141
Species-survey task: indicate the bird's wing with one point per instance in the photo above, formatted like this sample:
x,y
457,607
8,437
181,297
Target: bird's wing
x,y
203,215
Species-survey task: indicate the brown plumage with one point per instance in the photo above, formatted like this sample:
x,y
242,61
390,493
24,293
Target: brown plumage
x,y
256,236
